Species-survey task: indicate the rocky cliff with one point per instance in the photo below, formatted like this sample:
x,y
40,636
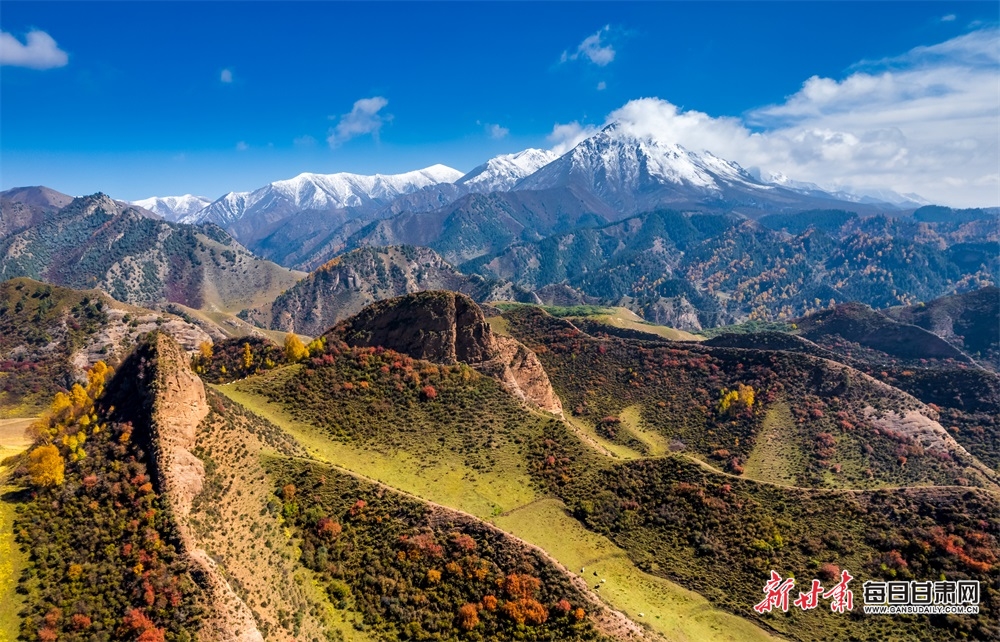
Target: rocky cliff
x,y
158,391
448,327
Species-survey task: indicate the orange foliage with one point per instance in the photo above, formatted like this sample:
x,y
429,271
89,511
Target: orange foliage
x,y
520,586
328,528
526,611
80,621
468,617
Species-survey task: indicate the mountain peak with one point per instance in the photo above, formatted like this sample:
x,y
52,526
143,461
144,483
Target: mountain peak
x,y
501,173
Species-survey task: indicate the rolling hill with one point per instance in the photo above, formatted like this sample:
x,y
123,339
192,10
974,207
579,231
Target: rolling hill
x,y
95,241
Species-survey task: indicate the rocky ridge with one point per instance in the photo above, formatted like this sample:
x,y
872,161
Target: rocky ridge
x,y
449,328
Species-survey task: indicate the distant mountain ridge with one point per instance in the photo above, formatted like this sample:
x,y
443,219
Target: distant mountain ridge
x,y
95,241
174,208
348,283
320,192
306,220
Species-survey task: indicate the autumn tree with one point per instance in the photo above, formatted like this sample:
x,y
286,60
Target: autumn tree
x,y
734,402
247,357
46,466
468,617
295,350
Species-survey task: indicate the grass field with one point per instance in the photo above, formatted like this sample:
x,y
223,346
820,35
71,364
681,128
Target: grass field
x,y
588,434
505,496
669,609
12,441
776,457
446,481
631,419
625,318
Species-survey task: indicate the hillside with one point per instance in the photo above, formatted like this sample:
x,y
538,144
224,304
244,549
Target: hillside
x,y
21,208
968,321
97,242
182,570
346,284
848,429
705,269
966,396
669,506
50,336
449,328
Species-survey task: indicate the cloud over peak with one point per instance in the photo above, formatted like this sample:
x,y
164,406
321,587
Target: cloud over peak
x,y
363,119
39,51
926,122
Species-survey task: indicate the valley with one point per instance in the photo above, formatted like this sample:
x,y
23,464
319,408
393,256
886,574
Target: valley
x,y
591,395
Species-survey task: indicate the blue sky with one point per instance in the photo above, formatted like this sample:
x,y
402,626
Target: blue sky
x,y
137,99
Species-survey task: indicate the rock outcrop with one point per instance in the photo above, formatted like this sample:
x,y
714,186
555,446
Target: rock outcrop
x,y
157,387
346,284
448,327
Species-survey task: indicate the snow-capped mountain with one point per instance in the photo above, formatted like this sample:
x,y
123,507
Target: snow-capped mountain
x,y
844,193
173,208
501,173
320,192
632,172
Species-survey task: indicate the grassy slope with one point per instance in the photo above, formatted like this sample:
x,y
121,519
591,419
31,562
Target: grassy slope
x,y
676,388
625,318
12,442
721,535
776,455
669,609
482,493
230,520
505,487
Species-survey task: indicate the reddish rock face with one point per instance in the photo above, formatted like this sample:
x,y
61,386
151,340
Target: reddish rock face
x,y
449,328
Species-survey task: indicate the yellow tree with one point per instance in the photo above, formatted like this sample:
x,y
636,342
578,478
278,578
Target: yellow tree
x,y
247,357
97,376
295,350
46,466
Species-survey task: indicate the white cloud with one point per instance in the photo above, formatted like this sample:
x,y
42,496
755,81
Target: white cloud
x,y
565,137
594,47
242,146
364,118
496,132
39,51
927,122
304,141
601,86
226,76
949,18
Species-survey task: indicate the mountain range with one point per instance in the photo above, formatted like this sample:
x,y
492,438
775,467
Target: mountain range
x,y
303,221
